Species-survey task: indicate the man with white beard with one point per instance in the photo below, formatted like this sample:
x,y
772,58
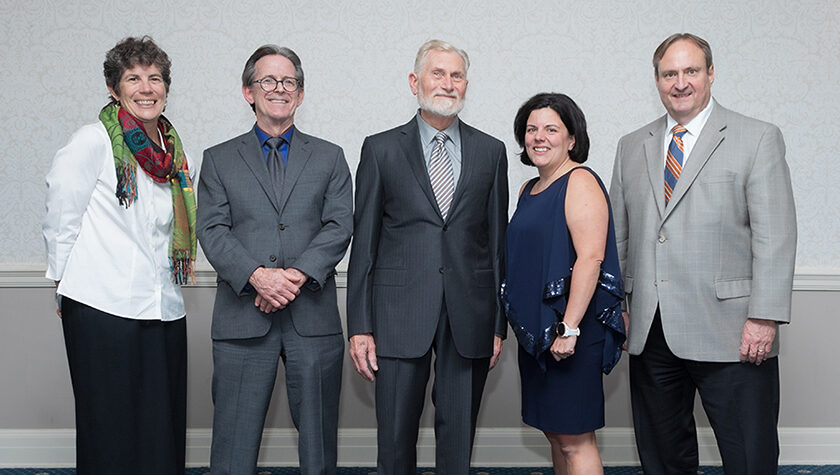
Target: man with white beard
x,y
425,267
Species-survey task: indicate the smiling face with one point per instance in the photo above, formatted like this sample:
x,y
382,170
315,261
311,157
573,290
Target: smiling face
x,y
441,85
684,83
142,93
547,141
276,109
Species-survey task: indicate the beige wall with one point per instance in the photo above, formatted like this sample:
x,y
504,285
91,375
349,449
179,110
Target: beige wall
x,y
36,394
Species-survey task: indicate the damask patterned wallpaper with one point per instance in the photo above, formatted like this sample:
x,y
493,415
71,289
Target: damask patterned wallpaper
x,y
774,59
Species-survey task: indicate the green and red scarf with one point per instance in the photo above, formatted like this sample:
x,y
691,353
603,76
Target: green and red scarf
x,y
131,146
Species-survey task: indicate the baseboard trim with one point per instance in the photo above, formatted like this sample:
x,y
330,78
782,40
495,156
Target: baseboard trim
x,y
32,276
510,447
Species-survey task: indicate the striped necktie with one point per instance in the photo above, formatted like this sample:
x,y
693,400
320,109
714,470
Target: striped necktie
x,y
674,161
441,175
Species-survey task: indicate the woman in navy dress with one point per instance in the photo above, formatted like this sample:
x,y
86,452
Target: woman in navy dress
x,y
562,291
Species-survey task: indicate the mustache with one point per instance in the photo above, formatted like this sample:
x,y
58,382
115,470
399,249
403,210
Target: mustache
x,y
441,92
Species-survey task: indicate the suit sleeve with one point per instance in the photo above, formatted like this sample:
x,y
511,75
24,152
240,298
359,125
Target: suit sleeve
x,y
498,220
328,246
619,210
773,228
229,258
367,222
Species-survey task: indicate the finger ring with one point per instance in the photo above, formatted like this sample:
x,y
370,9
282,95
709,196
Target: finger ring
x,y
761,351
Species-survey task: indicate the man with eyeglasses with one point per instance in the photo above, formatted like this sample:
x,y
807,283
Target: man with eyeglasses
x,y
275,217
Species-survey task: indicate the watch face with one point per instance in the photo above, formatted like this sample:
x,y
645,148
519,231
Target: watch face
x,y
563,331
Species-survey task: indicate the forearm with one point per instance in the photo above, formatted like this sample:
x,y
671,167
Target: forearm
x,y
367,224
585,275
325,251
231,260
328,246
498,219
772,223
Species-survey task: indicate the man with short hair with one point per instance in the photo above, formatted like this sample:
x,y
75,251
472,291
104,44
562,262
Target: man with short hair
x,y
425,267
275,217
706,232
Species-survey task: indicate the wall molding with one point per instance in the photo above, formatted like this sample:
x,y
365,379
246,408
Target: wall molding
x,y
30,276
515,446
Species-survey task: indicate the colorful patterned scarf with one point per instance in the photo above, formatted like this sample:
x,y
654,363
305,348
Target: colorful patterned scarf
x,y
131,146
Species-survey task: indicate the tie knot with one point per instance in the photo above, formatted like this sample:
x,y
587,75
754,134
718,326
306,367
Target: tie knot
x,y
679,130
274,143
441,137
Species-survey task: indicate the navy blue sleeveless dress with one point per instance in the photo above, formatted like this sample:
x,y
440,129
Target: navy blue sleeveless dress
x,y
565,397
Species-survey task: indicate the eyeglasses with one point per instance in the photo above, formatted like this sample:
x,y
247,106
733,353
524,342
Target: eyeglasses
x,y
269,84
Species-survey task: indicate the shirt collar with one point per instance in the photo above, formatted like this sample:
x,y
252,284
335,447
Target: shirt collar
x,y
695,125
262,136
427,132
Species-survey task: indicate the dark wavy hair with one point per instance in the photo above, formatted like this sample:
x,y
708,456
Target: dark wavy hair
x,y
571,115
130,52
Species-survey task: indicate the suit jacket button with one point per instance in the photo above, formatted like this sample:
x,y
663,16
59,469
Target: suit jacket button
x,y
442,270
445,227
272,258
282,227
662,239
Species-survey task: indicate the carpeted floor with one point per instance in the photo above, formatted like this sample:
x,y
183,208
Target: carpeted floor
x,y
785,470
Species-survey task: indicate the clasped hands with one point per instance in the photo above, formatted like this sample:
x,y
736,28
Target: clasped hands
x,y
276,288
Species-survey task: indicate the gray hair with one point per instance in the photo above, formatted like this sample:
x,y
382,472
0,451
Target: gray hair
x,y
267,50
438,45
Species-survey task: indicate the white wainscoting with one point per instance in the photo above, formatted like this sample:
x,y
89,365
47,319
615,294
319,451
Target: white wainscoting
x,y
500,447
33,277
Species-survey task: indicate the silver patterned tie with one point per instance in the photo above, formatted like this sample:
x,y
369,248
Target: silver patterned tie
x,y
441,175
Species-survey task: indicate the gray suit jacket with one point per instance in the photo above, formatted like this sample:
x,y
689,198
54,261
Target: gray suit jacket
x,y
242,225
723,249
406,261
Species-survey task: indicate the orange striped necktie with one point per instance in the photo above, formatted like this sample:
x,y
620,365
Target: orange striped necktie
x,y
674,160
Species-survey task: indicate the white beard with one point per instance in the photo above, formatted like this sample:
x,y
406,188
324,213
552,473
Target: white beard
x,y
441,107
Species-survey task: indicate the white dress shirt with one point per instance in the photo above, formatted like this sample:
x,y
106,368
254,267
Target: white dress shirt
x,y
694,127
109,257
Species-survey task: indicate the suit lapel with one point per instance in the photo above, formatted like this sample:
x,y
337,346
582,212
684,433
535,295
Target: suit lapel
x,y
299,154
655,158
413,152
252,154
710,137
468,164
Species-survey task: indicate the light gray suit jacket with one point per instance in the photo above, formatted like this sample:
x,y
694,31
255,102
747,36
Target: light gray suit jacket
x,y
722,251
242,225
407,261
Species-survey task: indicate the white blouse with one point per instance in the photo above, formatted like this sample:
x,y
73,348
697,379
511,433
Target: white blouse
x,y
108,257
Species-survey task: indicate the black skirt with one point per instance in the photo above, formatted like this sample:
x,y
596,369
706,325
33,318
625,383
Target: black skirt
x,y
130,386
